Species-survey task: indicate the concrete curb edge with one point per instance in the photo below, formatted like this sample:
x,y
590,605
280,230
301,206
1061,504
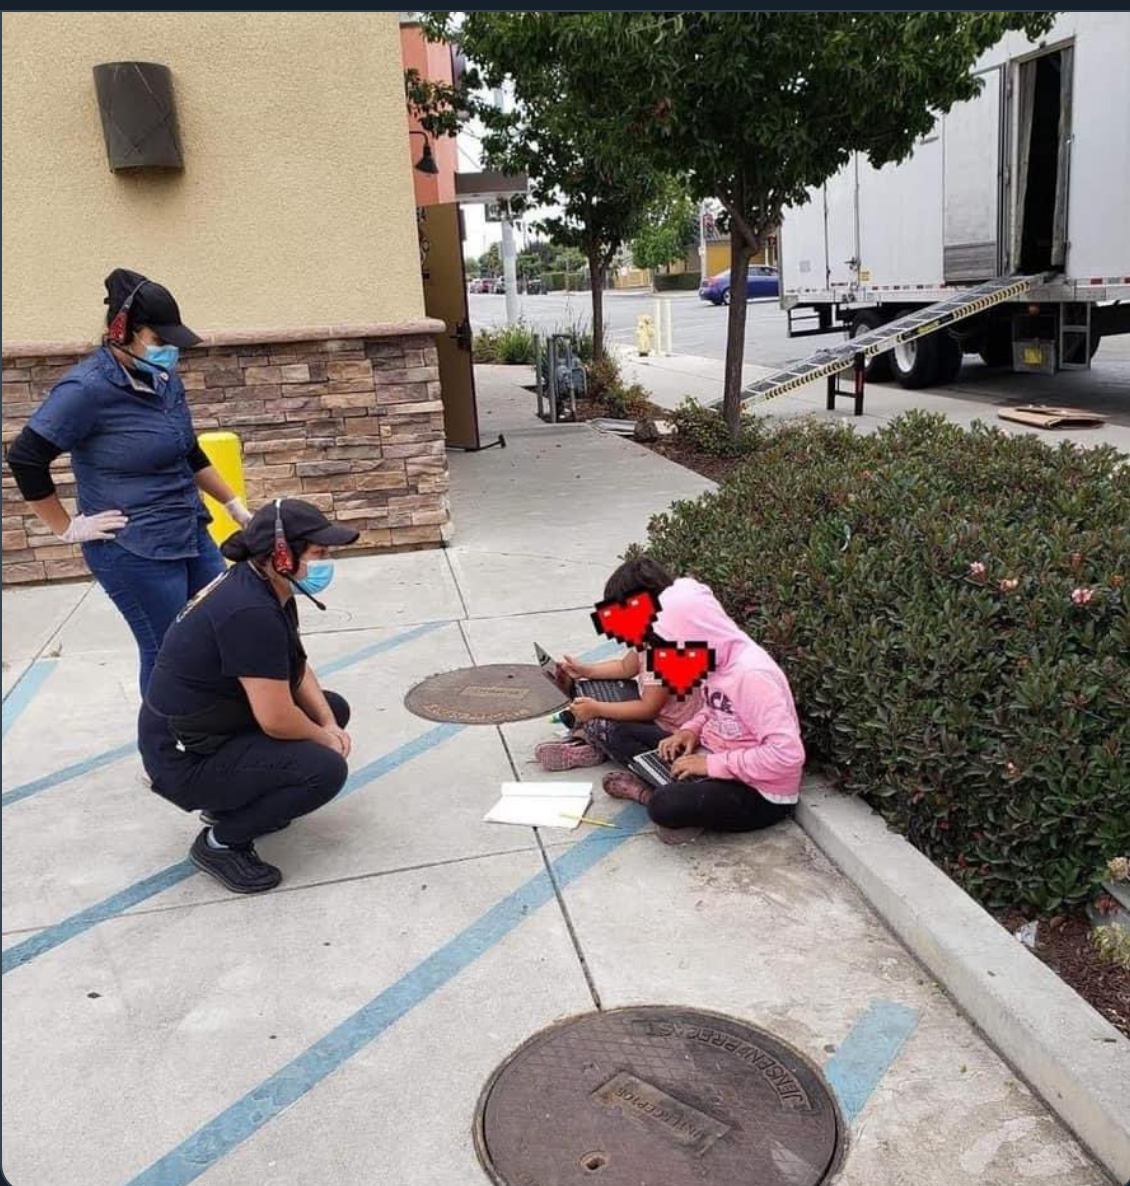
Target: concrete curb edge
x,y
1068,1052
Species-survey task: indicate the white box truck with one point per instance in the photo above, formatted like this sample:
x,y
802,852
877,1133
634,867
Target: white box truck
x,y
1029,179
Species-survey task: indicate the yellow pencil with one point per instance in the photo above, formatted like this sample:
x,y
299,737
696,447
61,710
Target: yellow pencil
x,y
596,823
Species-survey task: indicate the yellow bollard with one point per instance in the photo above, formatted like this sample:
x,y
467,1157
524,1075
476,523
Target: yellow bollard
x,y
643,334
223,451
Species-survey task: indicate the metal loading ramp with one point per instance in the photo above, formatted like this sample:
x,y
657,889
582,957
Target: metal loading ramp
x,y
853,353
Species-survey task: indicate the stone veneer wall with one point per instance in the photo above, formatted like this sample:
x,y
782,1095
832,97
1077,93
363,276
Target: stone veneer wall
x,y
349,419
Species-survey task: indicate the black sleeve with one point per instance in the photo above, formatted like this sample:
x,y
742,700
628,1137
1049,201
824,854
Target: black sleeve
x,y
29,459
197,458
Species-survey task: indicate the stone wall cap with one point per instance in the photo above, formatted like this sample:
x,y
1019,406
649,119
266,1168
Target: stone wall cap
x,y
421,326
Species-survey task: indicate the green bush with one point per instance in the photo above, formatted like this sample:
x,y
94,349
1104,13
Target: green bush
x,y
950,608
606,386
512,345
565,281
677,282
704,430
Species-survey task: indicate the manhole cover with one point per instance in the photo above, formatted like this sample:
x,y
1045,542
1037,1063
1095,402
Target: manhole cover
x,y
656,1095
486,695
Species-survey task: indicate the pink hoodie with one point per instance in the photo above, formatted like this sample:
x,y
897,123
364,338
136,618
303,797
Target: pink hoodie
x,y
748,722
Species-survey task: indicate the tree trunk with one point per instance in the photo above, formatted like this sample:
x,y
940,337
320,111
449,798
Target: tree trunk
x,y
596,282
740,251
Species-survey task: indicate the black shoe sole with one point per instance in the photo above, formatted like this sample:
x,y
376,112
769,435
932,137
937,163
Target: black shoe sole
x,y
234,886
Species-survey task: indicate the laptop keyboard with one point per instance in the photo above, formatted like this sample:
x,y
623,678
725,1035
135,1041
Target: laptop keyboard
x,y
652,767
610,691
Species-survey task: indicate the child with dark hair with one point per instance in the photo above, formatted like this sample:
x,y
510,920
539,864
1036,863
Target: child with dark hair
x,y
594,718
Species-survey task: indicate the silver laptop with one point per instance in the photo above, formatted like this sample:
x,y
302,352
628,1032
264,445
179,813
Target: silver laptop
x,y
611,691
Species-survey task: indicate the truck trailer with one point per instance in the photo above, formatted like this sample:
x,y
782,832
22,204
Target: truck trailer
x,y
1013,214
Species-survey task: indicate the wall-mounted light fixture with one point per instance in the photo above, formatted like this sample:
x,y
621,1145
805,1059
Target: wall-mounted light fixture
x,y
427,162
139,116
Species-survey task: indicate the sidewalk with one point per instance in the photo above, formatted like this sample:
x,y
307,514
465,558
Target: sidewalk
x,y
159,1031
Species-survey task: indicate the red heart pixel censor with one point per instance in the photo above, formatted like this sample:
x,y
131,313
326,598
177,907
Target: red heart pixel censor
x,y
626,621
681,668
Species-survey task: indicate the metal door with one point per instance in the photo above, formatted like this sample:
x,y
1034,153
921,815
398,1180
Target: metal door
x,y
445,298
972,181
842,219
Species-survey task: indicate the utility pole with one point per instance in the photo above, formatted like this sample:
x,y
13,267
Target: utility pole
x,y
509,254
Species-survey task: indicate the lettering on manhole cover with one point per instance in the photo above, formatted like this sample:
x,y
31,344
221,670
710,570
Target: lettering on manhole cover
x,y
488,695
676,1097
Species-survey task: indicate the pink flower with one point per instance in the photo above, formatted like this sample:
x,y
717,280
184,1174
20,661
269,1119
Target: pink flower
x,y
1009,585
1082,596
977,569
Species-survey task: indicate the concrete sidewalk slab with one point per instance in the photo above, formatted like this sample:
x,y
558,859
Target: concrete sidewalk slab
x,y
764,928
32,617
191,1035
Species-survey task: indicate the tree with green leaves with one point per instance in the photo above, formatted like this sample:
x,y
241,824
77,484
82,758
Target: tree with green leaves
x,y
490,262
668,227
757,108
600,191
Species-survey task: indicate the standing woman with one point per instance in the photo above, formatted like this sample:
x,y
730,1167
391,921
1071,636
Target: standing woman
x,y
122,415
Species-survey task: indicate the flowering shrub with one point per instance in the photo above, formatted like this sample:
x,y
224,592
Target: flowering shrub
x,y
949,607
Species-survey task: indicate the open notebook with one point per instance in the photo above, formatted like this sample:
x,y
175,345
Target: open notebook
x,y
541,804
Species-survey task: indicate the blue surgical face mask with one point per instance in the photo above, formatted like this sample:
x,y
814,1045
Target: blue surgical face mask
x,y
319,574
159,359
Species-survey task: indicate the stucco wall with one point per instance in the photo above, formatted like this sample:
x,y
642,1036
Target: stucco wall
x,y
296,203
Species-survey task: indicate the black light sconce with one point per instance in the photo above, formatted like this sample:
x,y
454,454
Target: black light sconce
x,y
139,116
427,162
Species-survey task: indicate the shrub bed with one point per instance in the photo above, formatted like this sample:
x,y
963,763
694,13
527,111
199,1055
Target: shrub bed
x,y
512,345
950,607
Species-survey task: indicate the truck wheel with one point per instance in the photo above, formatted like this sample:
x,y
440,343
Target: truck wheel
x,y
878,366
997,350
915,363
950,358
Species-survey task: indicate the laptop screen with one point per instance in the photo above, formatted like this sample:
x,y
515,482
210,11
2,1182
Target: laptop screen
x,y
552,671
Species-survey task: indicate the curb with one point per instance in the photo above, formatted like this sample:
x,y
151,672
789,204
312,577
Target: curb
x,y
1067,1051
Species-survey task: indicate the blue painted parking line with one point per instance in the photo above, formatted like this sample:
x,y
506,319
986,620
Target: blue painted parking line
x,y
58,933
24,690
87,765
874,1042
76,770
51,937
262,1104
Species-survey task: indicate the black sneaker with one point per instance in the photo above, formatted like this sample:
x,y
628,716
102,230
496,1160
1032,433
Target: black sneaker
x,y
206,817
239,869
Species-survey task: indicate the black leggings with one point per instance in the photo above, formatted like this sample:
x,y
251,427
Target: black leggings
x,y
718,804
253,783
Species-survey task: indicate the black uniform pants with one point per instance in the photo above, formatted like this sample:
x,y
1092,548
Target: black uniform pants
x,y
252,783
717,804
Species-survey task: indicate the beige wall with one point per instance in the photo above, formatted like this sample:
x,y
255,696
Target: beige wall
x,y
295,206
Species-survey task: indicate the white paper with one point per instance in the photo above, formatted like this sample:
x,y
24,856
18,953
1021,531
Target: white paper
x,y
541,804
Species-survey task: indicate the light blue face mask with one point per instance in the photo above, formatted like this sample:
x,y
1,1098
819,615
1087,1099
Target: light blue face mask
x,y
319,574
159,359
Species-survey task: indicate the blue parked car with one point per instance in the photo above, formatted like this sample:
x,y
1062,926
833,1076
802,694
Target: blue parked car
x,y
761,282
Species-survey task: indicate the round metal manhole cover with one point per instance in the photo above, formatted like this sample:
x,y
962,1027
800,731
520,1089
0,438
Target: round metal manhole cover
x,y
656,1095
488,695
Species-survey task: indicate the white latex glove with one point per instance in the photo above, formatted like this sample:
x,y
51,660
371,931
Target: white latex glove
x,y
84,528
238,512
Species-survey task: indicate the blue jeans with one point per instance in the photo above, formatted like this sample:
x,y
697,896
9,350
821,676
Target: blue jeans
x,y
150,593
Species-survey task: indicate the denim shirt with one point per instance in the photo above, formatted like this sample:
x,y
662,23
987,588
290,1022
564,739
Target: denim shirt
x,y
129,452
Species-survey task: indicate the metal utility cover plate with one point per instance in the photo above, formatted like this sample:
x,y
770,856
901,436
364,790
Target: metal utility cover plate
x,y
656,1095
488,695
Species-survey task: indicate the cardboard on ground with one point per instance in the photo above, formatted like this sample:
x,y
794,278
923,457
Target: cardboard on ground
x,y
1047,417
541,804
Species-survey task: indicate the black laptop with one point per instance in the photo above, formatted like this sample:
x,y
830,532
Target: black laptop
x,y
611,691
653,769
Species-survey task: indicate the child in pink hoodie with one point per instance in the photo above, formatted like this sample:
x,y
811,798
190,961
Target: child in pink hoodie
x,y
737,763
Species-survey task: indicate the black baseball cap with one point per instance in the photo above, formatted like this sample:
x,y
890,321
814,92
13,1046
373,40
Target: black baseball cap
x,y
153,306
302,522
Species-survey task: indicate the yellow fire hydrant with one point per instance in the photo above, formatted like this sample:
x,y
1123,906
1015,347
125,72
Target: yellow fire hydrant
x,y
644,330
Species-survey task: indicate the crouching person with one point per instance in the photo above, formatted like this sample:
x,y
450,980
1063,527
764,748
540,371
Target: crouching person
x,y
235,723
